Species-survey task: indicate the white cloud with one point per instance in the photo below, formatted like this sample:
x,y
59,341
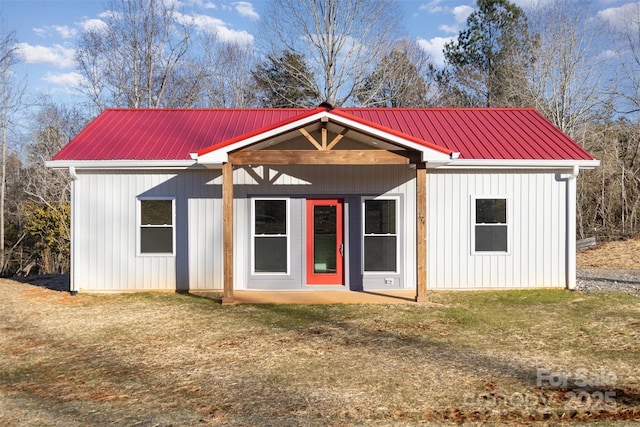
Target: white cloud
x,y
432,7
531,4
434,47
619,18
461,13
245,9
453,29
93,25
57,55
108,14
216,26
42,32
65,32
61,30
203,4
67,80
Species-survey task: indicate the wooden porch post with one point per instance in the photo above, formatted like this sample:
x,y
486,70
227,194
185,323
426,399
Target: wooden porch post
x,y
421,233
227,231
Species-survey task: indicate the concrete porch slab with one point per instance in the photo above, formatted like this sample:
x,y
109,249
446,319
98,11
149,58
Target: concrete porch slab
x,y
319,297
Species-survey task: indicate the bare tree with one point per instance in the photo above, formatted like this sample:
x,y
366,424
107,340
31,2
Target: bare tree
x,y
567,76
609,196
398,80
342,39
628,51
10,99
230,84
46,211
131,59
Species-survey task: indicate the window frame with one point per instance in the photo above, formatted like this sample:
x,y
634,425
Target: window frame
x,y
253,236
475,224
396,199
140,226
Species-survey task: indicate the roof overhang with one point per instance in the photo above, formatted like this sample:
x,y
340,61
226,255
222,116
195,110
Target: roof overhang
x,y
218,154
518,164
449,164
121,164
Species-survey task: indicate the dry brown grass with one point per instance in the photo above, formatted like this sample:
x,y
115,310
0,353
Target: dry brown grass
x,y
165,359
619,255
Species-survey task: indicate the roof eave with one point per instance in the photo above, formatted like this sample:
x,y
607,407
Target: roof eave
x,y
517,164
121,164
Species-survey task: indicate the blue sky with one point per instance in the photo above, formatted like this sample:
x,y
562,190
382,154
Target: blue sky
x,y
47,29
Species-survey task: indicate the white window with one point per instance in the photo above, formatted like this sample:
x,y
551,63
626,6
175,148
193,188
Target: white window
x,y
270,230
490,228
380,244
156,226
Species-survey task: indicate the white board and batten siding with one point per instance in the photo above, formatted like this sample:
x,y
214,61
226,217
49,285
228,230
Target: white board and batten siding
x,y
107,257
536,211
107,224
107,228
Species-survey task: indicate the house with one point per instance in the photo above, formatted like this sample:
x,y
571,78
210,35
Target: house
x,y
324,198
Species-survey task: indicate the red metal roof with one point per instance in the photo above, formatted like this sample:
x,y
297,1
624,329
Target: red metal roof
x,y
172,134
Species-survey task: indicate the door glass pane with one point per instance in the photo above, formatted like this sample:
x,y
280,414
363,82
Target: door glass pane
x,y
380,253
324,243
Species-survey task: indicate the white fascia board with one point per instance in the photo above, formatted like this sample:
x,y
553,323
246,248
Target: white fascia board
x,y
221,155
518,164
121,164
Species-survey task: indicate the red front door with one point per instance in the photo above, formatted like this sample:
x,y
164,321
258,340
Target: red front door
x,y
325,245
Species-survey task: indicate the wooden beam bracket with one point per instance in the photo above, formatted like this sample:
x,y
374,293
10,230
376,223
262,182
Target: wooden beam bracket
x,y
310,138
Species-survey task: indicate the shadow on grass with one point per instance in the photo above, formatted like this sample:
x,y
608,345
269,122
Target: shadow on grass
x,y
308,320
387,295
54,282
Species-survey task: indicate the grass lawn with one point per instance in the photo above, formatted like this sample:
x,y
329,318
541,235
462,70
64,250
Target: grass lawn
x,y
506,357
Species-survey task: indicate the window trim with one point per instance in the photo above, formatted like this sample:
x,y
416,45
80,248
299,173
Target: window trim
x,y
140,226
474,224
253,236
363,235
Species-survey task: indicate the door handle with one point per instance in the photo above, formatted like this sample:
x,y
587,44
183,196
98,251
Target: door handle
x,y
342,250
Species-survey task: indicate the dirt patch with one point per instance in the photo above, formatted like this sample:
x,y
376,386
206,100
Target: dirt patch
x,y
612,255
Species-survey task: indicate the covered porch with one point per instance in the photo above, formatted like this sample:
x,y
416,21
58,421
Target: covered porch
x,y
317,140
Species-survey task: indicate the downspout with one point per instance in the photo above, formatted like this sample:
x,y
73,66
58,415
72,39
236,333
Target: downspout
x,y
571,228
73,287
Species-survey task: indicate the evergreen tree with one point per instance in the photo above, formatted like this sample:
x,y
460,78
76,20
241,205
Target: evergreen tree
x,y
486,65
285,82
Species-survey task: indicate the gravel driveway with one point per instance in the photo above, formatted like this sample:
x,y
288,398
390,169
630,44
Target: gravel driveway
x,y
608,280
